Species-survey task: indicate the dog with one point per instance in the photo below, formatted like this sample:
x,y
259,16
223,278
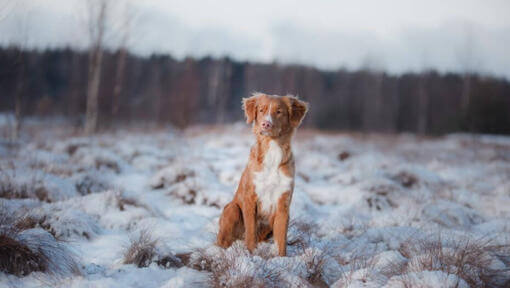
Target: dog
x,y
260,207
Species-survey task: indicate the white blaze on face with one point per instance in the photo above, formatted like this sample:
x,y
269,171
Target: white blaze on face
x,y
268,117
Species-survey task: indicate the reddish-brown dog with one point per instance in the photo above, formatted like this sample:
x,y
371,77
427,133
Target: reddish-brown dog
x,y
261,204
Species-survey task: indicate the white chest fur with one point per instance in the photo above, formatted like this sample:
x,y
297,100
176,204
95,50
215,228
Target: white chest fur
x,y
271,182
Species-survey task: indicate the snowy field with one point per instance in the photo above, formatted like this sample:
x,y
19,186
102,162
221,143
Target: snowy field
x,y
140,208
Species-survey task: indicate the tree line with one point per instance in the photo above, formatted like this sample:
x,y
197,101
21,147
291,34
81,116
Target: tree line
x,y
162,89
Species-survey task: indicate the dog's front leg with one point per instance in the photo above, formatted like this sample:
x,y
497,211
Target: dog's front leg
x,y
249,217
281,223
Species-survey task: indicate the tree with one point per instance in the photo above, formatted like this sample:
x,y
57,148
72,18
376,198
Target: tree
x,y
128,18
468,65
97,22
423,104
20,42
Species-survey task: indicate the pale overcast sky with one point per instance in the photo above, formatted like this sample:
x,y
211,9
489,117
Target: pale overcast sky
x,y
396,36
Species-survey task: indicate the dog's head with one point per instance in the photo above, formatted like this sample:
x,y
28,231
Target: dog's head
x,y
274,115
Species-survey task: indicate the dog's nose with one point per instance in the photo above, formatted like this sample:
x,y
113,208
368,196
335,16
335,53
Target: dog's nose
x,y
266,125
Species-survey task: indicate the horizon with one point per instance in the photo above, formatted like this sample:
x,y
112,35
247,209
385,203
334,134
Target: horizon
x,y
275,62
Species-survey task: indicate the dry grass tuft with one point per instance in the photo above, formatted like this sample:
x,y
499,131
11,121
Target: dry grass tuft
x,y
173,178
182,176
34,250
343,155
62,224
406,179
226,269
107,163
381,197
89,184
170,261
123,202
472,260
200,260
316,261
262,277
142,250
17,259
237,267
300,234
30,222
72,148
9,189
360,268
353,227
190,194
187,195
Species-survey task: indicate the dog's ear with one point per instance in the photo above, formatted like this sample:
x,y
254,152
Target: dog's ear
x,y
250,108
297,110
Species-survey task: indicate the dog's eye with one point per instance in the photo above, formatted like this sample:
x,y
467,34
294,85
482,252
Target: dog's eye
x,y
278,112
261,110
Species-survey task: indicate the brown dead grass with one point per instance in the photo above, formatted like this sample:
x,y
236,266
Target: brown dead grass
x,y
17,259
9,189
170,261
188,198
223,271
89,184
142,250
300,233
123,202
357,261
469,259
47,254
29,222
107,163
406,179
342,156
315,266
72,148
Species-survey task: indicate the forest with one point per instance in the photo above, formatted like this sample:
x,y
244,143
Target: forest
x,y
164,90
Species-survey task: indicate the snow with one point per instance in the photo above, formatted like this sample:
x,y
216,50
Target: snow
x,y
358,200
427,279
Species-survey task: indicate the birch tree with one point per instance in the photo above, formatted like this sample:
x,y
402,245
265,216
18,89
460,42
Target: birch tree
x,y
98,12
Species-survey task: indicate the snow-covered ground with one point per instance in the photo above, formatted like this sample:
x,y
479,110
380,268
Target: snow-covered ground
x,y
367,211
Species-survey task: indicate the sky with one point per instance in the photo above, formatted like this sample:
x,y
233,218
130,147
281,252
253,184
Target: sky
x,y
394,36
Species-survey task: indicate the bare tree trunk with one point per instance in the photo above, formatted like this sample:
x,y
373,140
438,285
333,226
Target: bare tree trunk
x,y
466,91
119,79
18,112
372,102
94,80
17,116
423,105
18,100
97,26
466,101
20,66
